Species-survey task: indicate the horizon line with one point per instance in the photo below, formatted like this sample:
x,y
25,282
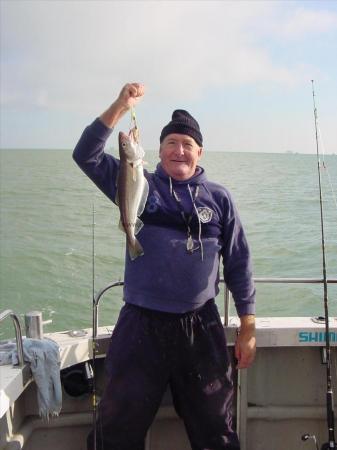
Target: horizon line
x,y
285,152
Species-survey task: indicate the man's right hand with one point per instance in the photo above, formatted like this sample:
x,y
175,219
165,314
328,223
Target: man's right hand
x,y
128,97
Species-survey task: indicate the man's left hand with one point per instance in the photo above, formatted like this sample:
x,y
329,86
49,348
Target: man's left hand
x,y
245,346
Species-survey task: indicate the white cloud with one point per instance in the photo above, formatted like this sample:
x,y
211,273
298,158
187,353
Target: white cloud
x,y
303,22
80,51
72,57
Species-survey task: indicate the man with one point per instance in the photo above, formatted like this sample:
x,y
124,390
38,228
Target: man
x,y
169,330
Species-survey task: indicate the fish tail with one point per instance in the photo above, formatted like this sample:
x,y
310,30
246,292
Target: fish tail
x,y
135,249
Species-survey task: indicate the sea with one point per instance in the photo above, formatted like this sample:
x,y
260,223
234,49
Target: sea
x,y
60,241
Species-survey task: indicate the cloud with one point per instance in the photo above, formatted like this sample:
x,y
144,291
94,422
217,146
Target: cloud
x,y
303,22
66,61
76,53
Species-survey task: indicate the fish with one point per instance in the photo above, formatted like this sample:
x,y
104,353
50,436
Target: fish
x,y
132,191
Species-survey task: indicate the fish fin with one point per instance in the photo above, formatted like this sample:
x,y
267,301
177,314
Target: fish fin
x,y
135,250
117,198
116,186
143,200
139,225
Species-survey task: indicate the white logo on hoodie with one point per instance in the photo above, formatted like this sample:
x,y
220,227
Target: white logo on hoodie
x,y
205,214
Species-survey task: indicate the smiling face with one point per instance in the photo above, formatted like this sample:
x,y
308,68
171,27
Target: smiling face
x,y
179,154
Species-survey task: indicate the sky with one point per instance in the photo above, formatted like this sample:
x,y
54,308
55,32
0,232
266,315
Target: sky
x,y
243,69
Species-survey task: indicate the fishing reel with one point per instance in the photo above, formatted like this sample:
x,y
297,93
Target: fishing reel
x,y
306,437
327,446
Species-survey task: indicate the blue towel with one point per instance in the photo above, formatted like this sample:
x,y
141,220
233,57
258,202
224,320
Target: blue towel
x,y
44,359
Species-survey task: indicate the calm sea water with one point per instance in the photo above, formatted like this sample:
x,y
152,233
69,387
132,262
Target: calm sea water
x,y
46,233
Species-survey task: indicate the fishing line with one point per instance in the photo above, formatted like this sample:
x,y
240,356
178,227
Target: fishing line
x,y
331,444
133,128
324,165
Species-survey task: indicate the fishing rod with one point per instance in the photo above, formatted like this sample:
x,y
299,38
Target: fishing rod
x,y
331,444
94,399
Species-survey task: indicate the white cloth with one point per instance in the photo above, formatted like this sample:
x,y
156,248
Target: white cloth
x,y
44,359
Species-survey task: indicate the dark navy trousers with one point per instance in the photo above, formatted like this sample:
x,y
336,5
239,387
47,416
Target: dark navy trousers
x,y
150,350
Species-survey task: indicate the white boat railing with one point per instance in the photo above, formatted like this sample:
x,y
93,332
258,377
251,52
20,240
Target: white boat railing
x,y
227,294
274,281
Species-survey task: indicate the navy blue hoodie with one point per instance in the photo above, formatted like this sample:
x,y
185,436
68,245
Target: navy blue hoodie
x,y
168,277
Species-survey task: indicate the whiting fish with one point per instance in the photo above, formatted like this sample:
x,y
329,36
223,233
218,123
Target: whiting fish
x,y
132,191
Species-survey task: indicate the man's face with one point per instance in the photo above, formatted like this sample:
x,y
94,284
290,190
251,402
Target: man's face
x,y
179,154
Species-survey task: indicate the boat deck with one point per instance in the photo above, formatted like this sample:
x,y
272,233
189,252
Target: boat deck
x,y
281,396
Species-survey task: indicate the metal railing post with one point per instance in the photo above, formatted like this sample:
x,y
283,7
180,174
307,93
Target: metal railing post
x,y
18,333
96,302
226,306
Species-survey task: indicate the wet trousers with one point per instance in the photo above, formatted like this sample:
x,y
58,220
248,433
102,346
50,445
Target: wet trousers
x,y
150,350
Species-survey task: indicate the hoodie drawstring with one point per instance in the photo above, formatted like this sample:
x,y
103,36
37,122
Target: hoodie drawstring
x,y
199,221
189,245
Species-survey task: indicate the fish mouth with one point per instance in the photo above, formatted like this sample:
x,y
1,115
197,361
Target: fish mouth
x,y
123,138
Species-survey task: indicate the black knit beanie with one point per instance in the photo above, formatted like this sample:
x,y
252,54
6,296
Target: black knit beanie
x,y
182,123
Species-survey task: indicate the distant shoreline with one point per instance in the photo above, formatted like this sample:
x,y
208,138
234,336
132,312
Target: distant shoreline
x,y
109,150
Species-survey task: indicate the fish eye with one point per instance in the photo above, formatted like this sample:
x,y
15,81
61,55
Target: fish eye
x,y
123,144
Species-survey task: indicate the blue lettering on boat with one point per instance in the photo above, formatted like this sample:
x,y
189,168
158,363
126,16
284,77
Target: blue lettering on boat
x,y
316,336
